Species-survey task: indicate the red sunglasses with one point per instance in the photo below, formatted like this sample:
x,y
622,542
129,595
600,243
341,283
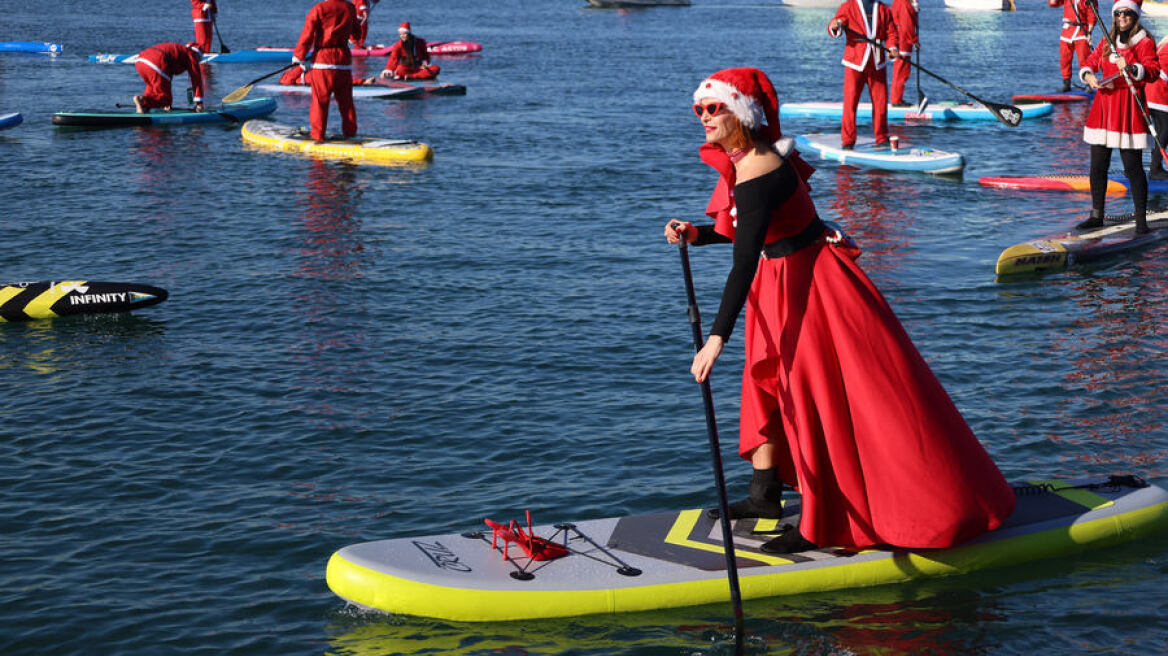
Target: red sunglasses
x,y
713,108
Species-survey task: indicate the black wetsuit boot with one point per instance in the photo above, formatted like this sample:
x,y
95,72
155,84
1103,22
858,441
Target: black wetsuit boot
x,y
1066,84
765,500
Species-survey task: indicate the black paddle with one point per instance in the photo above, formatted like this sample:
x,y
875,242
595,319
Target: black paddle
x,y
1008,114
695,322
222,46
238,94
1131,87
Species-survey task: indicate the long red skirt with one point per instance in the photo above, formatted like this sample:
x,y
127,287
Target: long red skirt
x,y
865,431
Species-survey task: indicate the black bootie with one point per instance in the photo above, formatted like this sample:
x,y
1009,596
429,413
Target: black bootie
x,y
1142,224
765,500
1092,222
1066,84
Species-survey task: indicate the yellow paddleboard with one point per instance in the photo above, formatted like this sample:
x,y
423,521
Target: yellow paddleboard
x,y
272,135
1058,252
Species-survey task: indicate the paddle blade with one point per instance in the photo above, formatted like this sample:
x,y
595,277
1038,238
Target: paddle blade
x,y
923,104
238,94
1008,114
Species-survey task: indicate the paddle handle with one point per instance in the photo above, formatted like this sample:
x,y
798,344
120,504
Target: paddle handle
x,y
695,322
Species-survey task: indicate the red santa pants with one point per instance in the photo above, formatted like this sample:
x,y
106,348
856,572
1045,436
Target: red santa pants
x,y
203,35
900,72
421,73
1080,49
854,82
157,93
326,83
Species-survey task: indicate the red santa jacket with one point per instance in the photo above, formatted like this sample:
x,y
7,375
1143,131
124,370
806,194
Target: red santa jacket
x,y
878,26
1078,19
171,59
400,53
904,14
1158,90
202,10
327,30
1114,109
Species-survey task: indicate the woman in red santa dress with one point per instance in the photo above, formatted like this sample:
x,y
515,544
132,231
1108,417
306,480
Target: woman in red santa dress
x,y
157,66
409,58
203,13
1115,120
836,400
864,63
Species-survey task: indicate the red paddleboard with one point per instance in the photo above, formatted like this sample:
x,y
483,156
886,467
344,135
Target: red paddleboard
x,y
1048,183
433,47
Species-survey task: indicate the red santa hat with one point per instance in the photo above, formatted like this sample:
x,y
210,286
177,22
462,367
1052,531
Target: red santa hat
x,y
404,27
194,46
750,96
1134,5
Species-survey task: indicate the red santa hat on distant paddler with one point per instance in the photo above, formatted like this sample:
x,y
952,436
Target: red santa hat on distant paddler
x,y
1134,5
194,46
404,27
751,98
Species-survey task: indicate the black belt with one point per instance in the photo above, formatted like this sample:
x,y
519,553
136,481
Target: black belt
x,y
788,245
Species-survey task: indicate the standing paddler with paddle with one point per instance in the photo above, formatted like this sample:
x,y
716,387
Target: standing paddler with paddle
x,y
1118,117
836,401
157,66
905,15
328,28
1075,38
203,13
864,63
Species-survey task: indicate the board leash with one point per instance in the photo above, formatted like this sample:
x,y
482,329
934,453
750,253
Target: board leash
x,y
1113,483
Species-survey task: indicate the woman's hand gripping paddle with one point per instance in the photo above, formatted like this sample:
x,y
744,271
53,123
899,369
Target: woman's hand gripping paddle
x,y
1008,114
241,92
695,322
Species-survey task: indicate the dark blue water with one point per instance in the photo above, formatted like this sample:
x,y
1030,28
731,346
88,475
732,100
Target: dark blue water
x,y
352,353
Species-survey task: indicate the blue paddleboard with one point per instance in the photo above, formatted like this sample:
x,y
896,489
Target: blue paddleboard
x,y
905,158
941,111
10,120
30,46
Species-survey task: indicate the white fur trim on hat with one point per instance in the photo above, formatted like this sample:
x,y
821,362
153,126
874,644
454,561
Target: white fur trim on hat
x,y
744,107
1126,4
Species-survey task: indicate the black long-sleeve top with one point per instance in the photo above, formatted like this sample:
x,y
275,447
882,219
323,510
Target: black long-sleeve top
x,y
756,200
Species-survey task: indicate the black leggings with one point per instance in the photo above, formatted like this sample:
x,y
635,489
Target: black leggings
x,y
1133,168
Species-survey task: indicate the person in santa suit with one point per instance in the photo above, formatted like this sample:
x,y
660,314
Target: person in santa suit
x,y
203,12
1158,108
408,58
904,14
836,400
157,66
1075,39
327,31
363,8
864,63
1115,119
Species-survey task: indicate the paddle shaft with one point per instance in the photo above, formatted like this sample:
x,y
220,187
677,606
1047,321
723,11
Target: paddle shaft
x,y
695,322
1008,114
238,94
222,46
1131,86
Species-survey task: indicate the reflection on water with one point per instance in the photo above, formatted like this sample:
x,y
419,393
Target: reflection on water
x,y
332,256
882,229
